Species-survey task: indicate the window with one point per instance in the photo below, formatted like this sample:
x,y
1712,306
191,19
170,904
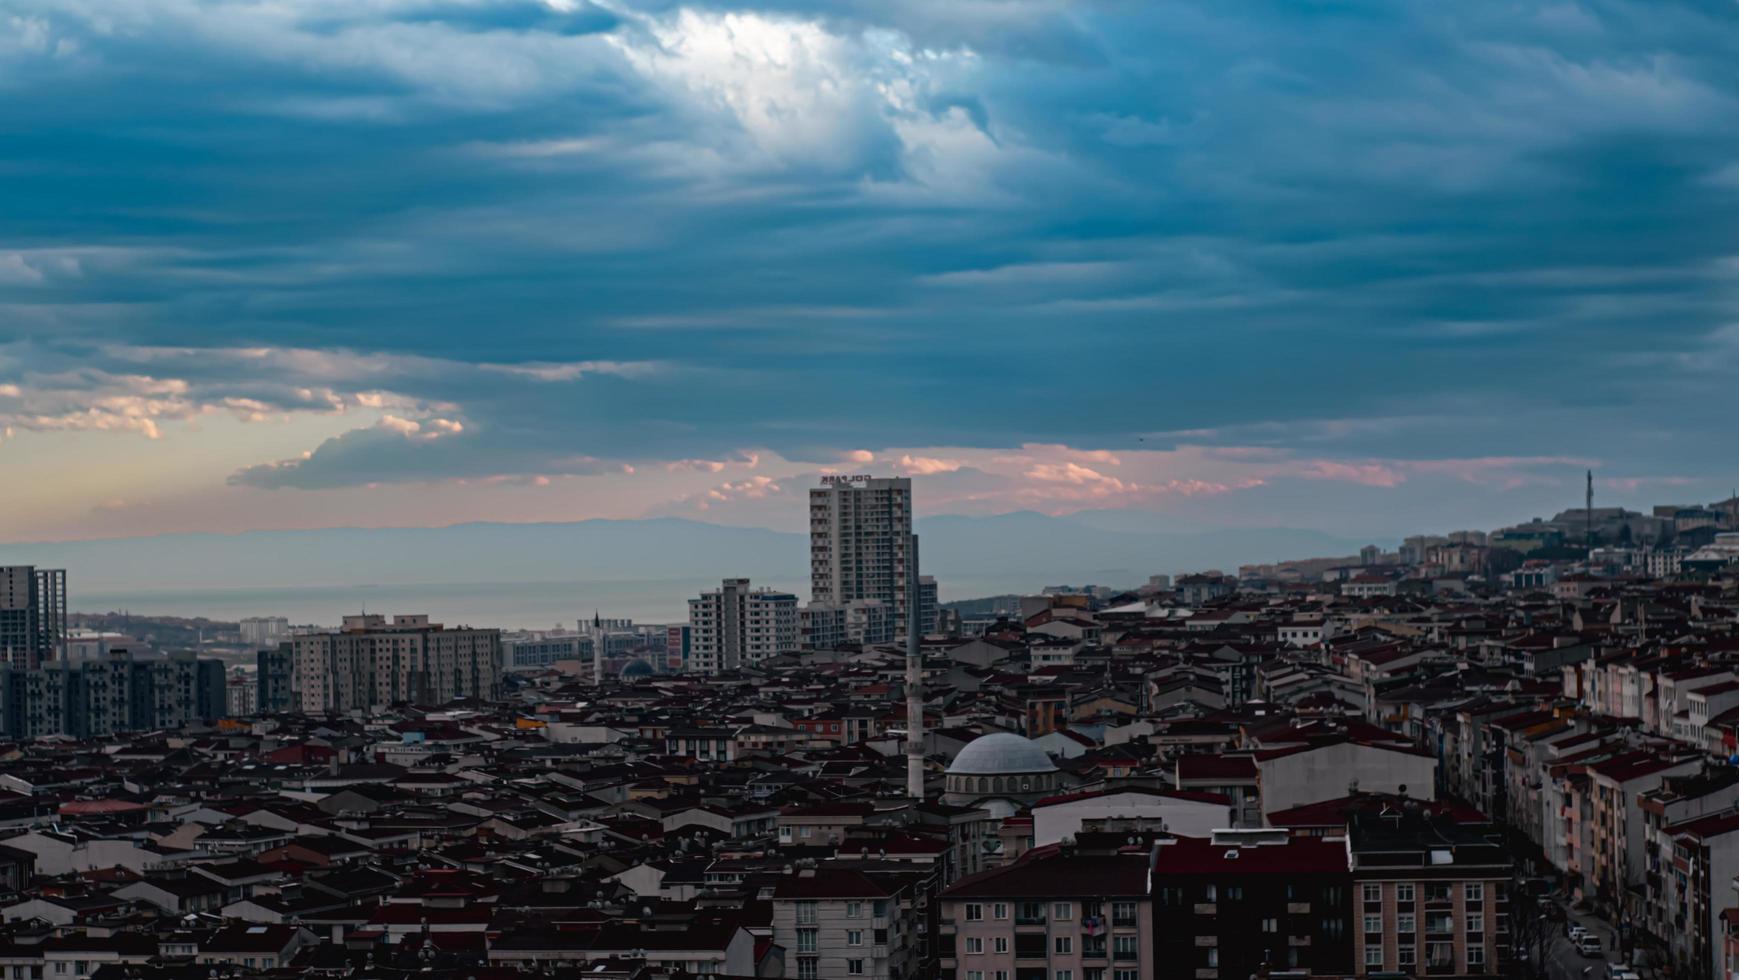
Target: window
x,y
806,968
974,912
1437,891
1474,891
1096,973
1439,922
1126,975
1476,923
1373,955
1211,893
805,913
1065,946
1270,925
1373,893
1064,975
1030,912
1234,893
806,940
1123,913
854,967
1475,956
1373,925
1001,944
854,910
1406,955
1213,956
974,946
1062,911
1404,893
854,937
974,975
999,910
1124,948
1406,923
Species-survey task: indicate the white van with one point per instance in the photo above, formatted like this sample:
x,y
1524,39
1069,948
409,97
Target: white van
x,y
1588,944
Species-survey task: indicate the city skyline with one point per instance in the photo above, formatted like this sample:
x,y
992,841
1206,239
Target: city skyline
x,y
419,263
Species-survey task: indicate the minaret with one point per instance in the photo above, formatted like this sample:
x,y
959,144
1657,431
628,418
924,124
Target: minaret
x,y
914,679
1588,513
597,632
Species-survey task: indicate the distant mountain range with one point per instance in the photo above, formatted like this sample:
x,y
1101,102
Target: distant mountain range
x,y
1022,550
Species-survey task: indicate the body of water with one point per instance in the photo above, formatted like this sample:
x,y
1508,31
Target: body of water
x,y
507,605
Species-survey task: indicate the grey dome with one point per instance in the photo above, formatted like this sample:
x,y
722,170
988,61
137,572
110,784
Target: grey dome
x,y
637,668
1001,754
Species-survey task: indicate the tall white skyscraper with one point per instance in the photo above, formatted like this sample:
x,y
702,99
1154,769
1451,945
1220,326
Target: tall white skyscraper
x,y
860,537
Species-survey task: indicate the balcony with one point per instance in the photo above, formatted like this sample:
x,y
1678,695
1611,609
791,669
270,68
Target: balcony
x,y
1298,908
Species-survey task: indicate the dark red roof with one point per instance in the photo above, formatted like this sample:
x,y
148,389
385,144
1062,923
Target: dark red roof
x,y
1056,875
1299,855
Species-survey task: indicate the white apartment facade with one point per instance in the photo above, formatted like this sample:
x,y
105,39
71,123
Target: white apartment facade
x,y
736,626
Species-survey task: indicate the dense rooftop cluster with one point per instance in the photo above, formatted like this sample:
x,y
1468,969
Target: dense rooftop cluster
x,y
1336,770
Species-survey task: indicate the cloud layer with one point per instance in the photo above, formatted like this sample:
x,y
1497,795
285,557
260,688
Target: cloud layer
x,y
1308,247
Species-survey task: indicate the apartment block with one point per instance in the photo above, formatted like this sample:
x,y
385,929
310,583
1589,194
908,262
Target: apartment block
x,y
1243,901
370,663
103,697
1431,896
1056,914
842,923
863,622
735,626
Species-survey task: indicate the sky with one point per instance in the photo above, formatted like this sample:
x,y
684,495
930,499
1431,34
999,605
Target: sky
x,y
1365,266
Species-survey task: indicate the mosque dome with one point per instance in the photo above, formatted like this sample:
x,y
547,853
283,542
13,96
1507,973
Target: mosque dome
x,y
1001,754
637,669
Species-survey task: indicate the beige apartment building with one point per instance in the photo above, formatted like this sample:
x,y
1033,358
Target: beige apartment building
x,y
1058,917
370,663
842,923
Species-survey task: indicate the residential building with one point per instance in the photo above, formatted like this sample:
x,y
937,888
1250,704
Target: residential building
x,y
264,632
735,626
1240,902
1430,896
861,544
1057,913
370,663
33,624
861,622
843,923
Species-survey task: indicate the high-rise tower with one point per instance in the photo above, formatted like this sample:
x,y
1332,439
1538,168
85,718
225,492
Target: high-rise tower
x,y
32,615
860,539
